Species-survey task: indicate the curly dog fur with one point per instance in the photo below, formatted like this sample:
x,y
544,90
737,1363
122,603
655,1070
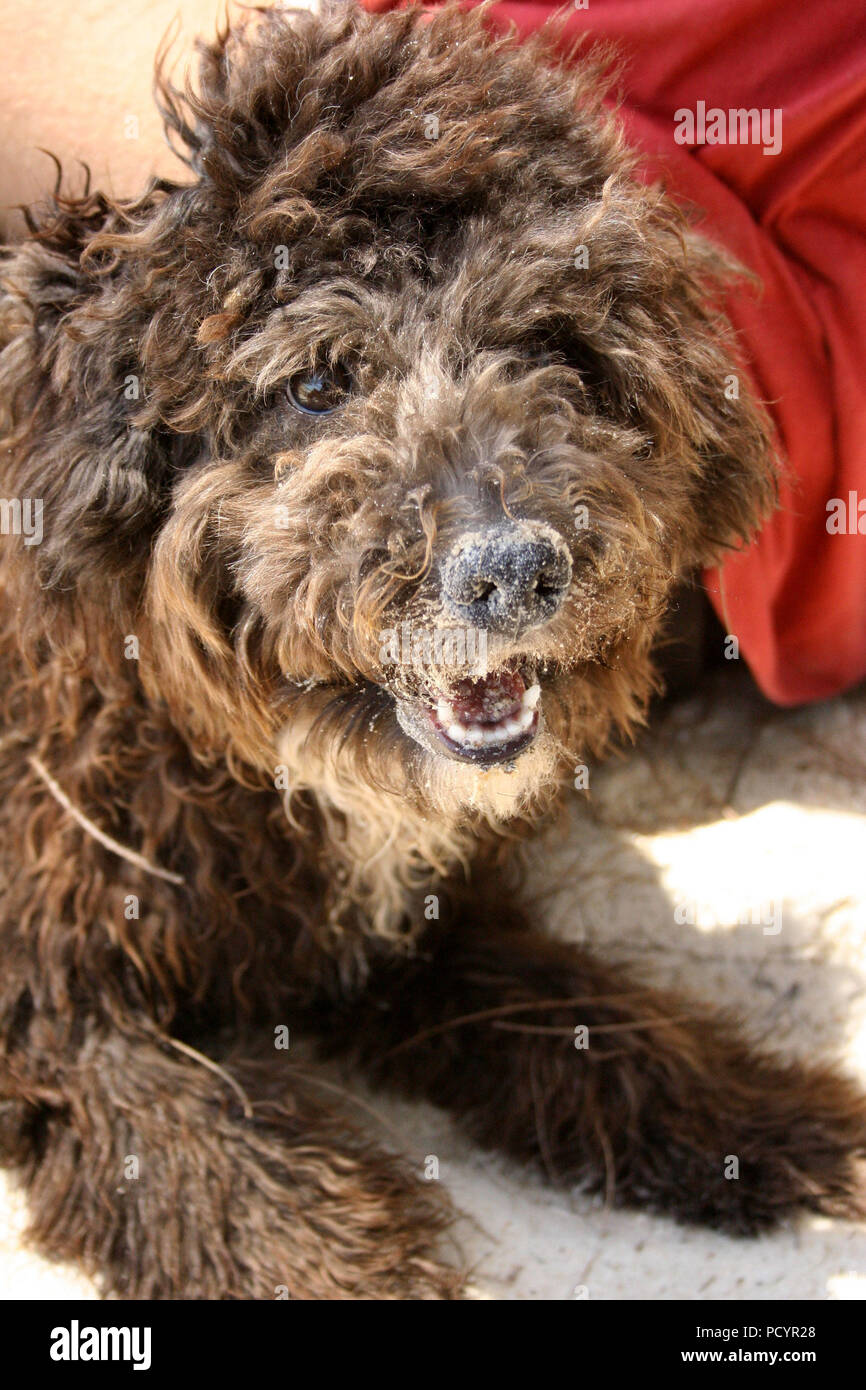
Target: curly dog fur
x,y
193,667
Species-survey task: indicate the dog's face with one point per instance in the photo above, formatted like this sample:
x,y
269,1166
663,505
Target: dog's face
x,y
432,412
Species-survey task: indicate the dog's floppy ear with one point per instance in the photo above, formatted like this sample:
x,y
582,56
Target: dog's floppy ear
x,y
83,431
726,433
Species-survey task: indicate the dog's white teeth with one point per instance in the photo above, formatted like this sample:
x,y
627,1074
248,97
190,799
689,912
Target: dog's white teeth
x,y
471,735
455,731
476,734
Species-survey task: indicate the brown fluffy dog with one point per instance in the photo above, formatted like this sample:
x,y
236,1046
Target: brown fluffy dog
x,y
343,394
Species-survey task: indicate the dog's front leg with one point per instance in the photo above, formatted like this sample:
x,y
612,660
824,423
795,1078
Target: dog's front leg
x,y
554,1057
166,1177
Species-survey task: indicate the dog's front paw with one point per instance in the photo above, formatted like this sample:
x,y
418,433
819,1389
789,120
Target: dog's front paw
x,y
779,1138
355,1225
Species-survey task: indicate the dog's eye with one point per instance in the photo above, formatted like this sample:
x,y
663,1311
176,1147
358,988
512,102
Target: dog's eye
x,y
319,392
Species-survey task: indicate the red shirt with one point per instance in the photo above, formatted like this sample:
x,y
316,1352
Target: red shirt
x,y
796,597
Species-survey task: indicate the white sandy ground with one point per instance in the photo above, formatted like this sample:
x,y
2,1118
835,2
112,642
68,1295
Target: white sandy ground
x,y
744,812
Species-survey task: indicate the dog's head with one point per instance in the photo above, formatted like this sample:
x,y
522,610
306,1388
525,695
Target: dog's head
x,y
392,430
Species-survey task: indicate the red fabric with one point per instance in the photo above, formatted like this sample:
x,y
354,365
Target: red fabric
x,y
796,597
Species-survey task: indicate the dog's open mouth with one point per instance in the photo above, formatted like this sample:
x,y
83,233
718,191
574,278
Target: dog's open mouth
x,y
487,720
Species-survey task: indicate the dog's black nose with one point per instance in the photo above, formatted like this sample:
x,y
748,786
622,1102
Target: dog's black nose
x,y
508,577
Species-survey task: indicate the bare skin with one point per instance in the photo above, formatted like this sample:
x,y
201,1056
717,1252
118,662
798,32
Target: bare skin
x,y
76,80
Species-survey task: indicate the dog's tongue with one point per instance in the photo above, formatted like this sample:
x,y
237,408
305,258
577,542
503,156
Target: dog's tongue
x,y
487,701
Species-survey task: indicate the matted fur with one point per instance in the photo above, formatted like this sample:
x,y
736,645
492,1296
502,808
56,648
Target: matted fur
x,y
248,742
